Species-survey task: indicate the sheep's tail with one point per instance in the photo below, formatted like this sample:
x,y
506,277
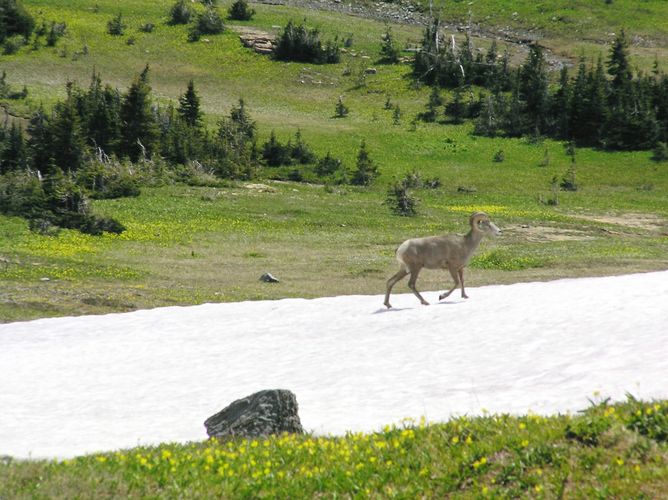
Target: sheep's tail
x,y
400,255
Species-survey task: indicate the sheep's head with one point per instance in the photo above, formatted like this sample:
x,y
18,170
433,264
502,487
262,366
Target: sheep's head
x,y
480,221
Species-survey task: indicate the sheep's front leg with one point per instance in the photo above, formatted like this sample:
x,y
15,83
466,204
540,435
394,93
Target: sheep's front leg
x,y
455,277
461,280
411,284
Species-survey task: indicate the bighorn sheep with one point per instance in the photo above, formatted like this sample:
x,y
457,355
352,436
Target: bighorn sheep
x,y
436,252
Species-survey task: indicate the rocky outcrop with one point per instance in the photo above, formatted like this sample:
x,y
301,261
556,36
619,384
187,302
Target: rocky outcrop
x,y
260,41
260,414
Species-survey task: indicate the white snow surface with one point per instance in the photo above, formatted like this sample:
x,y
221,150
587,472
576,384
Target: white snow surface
x,y
77,385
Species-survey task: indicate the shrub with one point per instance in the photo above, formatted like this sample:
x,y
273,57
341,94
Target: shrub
x,y
660,152
14,20
21,194
210,22
568,182
147,28
298,43
401,202
341,110
108,179
13,44
240,11
650,420
388,51
499,156
115,26
587,429
300,151
180,13
274,153
328,165
56,31
365,170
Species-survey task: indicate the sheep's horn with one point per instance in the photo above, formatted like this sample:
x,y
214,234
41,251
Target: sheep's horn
x,y
478,216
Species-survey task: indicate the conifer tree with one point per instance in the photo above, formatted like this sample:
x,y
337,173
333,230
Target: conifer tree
x,y
13,155
101,115
559,107
189,107
40,142
619,66
534,87
14,20
366,171
139,130
433,105
579,105
240,116
388,51
240,11
67,138
456,109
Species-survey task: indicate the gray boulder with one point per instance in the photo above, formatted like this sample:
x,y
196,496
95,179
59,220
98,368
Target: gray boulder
x,y
260,414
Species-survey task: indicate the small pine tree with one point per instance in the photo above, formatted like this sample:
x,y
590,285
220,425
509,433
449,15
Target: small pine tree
x,y
13,155
455,110
40,148
67,138
240,116
274,153
208,22
328,165
433,104
189,107
240,11
401,201
139,131
388,50
14,20
300,152
116,26
396,115
365,171
180,13
341,109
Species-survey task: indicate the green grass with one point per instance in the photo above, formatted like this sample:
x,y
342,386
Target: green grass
x,y
609,450
188,245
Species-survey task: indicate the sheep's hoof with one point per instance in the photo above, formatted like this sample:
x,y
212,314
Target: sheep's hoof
x,y
443,296
464,296
425,303
387,305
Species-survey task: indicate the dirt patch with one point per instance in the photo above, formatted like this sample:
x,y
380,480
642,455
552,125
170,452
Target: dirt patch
x,y
647,222
549,233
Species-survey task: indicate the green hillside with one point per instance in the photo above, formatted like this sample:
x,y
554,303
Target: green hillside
x,y
188,244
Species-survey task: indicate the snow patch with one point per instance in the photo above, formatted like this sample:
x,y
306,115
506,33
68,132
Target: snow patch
x,y
70,386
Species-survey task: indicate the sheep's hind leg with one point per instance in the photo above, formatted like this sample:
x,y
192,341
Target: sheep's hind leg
x,y
454,274
411,284
391,282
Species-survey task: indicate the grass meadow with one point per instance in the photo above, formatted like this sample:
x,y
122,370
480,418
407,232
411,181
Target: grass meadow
x,y
187,245
609,450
